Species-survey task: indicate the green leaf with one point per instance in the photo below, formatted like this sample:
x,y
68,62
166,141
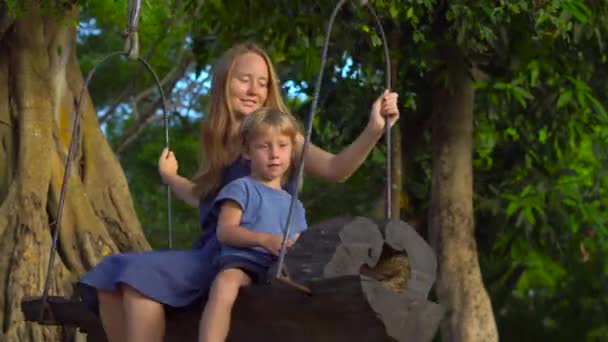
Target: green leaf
x,y
534,75
394,12
410,13
578,10
376,41
564,98
511,208
529,215
542,135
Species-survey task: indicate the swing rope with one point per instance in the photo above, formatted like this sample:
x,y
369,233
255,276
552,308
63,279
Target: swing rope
x,y
387,128
130,33
132,52
313,109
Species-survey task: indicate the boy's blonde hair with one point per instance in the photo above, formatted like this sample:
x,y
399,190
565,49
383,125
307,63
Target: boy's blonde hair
x,y
264,119
220,143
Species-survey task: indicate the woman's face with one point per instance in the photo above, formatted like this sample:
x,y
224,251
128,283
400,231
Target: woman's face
x,y
248,85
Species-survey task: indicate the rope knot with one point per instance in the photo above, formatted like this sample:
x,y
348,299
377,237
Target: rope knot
x,y
131,48
130,32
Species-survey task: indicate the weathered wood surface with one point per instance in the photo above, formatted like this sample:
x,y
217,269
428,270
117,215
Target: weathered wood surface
x,y
341,260
338,248
338,311
67,312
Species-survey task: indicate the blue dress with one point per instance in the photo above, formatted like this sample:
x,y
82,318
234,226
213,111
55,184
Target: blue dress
x,y
173,277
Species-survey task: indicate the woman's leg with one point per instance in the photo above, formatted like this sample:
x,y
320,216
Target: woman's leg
x,y
144,317
112,315
215,323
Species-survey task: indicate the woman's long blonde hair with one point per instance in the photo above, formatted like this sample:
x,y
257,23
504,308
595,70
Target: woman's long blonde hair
x,y
220,143
265,119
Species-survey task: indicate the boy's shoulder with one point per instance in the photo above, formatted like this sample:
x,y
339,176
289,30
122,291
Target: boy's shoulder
x,y
239,182
238,187
249,184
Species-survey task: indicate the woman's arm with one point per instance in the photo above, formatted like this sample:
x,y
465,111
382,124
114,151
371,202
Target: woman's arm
x,y
182,187
339,167
230,232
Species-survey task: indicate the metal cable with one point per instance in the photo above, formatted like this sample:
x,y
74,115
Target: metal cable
x,y
311,115
387,128
69,159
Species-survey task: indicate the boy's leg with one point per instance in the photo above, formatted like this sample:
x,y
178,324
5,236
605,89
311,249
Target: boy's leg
x,y
145,317
215,323
112,315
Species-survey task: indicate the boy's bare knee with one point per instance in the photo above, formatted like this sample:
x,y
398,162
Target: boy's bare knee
x,y
227,284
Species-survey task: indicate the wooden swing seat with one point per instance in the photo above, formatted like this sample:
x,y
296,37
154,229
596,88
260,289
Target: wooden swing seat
x,y
329,301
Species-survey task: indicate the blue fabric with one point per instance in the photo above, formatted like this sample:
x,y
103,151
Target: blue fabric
x,y
257,270
265,210
172,277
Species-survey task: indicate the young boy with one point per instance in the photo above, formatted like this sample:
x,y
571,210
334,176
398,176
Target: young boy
x,y
253,213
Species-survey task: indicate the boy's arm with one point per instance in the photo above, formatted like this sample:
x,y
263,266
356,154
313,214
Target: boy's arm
x,y
230,232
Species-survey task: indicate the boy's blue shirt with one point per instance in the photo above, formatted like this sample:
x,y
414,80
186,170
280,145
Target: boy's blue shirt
x,y
265,209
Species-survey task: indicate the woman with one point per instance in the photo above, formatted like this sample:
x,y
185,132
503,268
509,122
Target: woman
x,y
132,288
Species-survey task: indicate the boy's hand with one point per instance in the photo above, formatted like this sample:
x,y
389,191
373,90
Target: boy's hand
x,y
272,243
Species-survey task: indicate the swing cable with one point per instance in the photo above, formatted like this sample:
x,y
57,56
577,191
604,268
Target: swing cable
x,y
313,107
131,50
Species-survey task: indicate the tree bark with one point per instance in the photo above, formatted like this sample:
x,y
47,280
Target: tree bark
x,y
40,81
397,174
396,139
459,287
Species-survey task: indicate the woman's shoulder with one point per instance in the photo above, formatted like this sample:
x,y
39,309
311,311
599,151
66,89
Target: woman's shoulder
x,y
236,169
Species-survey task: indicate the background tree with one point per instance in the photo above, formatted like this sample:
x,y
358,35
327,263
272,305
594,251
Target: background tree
x,y
40,80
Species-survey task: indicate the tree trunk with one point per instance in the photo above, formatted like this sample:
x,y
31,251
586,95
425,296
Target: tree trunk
x,y
397,174
396,142
378,211
40,81
459,286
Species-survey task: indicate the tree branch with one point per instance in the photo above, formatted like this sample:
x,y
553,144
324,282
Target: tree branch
x,y
183,62
135,131
151,102
171,22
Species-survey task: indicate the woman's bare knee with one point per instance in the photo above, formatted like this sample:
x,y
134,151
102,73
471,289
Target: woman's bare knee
x,y
135,300
109,295
112,314
130,291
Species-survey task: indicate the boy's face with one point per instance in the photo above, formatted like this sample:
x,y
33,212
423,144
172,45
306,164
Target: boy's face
x,y
248,84
270,154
